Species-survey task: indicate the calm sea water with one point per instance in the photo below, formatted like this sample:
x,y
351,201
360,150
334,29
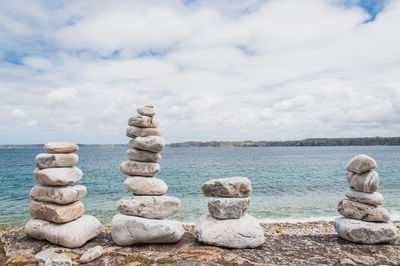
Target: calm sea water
x,y
289,183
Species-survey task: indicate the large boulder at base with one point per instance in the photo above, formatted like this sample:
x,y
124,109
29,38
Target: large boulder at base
x,y
46,160
60,147
56,213
143,121
143,156
48,257
59,194
228,208
245,232
91,254
129,230
231,187
365,182
57,176
145,185
134,132
361,164
147,110
153,207
362,211
151,143
134,168
374,198
71,235
364,232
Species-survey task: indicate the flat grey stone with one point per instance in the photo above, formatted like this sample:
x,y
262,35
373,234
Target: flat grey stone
x,y
147,110
364,232
60,147
48,257
46,160
58,176
365,182
56,213
245,232
361,164
143,156
362,211
146,186
134,168
231,187
134,132
129,230
374,198
91,254
151,143
143,121
153,207
58,194
228,208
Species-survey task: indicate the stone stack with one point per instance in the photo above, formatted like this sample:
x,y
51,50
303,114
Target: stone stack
x,y
227,223
56,210
364,221
141,218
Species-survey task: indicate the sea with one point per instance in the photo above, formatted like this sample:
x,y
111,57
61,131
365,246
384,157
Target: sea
x,y
290,184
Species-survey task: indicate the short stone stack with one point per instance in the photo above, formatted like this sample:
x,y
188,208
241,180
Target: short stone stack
x,y
56,210
141,218
228,224
364,221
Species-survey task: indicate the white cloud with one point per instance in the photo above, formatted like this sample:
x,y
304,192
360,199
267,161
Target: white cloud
x,y
60,96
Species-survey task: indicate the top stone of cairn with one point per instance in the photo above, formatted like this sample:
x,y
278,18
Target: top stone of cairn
x,y
361,164
147,110
231,187
60,147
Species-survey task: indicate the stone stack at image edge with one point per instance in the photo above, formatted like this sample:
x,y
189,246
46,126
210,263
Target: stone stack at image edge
x,y
365,220
58,215
142,218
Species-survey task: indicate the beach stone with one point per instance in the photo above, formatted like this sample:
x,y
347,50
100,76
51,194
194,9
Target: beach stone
x,y
349,177
146,186
143,156
134,168
228,208
231,187
362,211
57,176
147,110
361,163
60,147
365,182
46,160
91,254
129,230
153,207
71,235
151,143
374,198
245,232
364,232
48,257
59,194
56,213
143,121
134,132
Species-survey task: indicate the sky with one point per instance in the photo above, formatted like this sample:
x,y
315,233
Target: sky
x,y
215,70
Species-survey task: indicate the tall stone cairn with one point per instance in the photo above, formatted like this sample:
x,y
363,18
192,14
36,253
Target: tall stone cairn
x,y
364,221
56,210
142,215
228,224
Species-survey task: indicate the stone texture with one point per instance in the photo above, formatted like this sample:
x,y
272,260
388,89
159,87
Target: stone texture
x,y
59,194
143,121
134,132
233,233
46,160
50,258
153,207
349,177
147,110
362,211
129,230
228,208
56,213
374,198
231,187
134,168
91,254
366,182
151,143
143,156
364,232
57,176
361,163
72,235
146,186
60,147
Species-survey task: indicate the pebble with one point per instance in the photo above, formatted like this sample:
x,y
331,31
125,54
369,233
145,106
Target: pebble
x,y
134,132
57,176
134,168
56,213
147,110
146,186
231,187
91,254
362,211
143,156
60,147
151,143
365,182
228,208
374,198
361,164
59,194
45,160
48,257
143,121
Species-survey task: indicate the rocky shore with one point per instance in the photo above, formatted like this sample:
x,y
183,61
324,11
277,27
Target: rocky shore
x,y
307,243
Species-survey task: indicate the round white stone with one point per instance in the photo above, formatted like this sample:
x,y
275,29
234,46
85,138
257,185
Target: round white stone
x,y
361,164
91,254
362,211
58,194
57,176
374,198
143,121
46,160
143,156
134,132
147,110
146,186
151,143
228,208
231,187
365,182
134,168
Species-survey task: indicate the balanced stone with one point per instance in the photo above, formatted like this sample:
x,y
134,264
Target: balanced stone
x,y
232,187
145,186
133,168
60,147
57,176
349,177
151,143
71,235
91,254
46,160
374,198
143,156
360,164
365,182
245,232
129,230
228,208
48,257
147,110
143,121
59,194
56,213
362,211
364,232
153,207
134,132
